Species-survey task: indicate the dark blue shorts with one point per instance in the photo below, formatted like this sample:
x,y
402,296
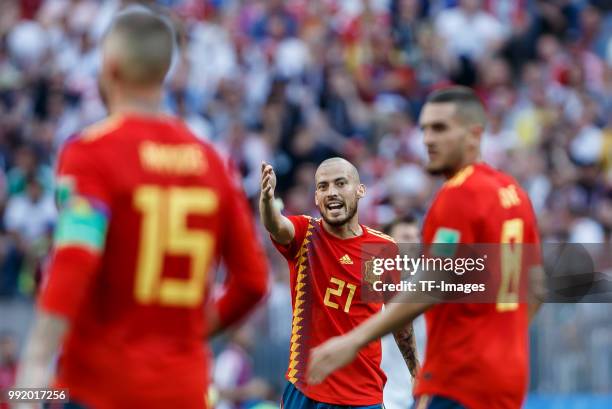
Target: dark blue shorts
x,y
435,402
294,399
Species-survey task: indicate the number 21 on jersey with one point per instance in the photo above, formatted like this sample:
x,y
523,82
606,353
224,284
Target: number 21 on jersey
x,y
337,292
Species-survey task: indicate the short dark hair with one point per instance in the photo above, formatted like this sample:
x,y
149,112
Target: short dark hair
x,y
469,106
455,93
408,218
147,42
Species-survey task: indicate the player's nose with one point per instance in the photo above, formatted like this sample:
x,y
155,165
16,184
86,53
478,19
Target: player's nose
x,y
331,198
332,192
428,137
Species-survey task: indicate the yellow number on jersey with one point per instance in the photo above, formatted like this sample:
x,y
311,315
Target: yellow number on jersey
x,y
338,292
511,257
164,232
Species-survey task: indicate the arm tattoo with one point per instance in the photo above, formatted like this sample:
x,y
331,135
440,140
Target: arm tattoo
x,y
406,342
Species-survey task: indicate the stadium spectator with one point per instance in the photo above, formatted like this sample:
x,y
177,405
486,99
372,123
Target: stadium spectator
x,y
28,219
234,379
468,31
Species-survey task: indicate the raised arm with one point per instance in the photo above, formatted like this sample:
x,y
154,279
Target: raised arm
x,y
281,229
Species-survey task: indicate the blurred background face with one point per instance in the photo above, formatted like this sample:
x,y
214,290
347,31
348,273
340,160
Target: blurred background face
x,y
34,190
337,193
407,236
405,233
25,160
244,337
445,137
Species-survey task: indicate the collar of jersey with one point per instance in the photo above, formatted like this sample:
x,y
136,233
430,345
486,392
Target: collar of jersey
x,y
364,233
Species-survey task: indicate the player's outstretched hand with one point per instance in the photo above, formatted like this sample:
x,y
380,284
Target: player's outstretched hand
x,y
330,356
268,181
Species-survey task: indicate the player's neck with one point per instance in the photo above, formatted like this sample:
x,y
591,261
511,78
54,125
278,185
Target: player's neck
x,y
345,231
468,161
139,102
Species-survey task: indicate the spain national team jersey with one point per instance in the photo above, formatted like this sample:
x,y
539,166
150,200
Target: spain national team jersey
x,y
326,279
477,354
154,208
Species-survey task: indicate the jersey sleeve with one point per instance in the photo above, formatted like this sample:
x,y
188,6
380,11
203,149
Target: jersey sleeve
x,y
83,197
247,271
300,225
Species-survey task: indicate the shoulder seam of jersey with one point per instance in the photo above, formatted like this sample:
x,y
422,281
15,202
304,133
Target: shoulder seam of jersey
x,y
460,177
101,128
380,234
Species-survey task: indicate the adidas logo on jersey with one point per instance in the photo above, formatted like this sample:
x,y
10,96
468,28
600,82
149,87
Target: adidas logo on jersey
x,y
345,259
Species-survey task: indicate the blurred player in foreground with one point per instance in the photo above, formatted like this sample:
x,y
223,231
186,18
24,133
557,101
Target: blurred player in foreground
x,y
476,354
325,257
146,212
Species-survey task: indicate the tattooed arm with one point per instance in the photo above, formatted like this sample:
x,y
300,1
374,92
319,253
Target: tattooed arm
x,y
406,342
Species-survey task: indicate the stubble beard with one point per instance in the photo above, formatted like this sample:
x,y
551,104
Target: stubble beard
x,y
351,211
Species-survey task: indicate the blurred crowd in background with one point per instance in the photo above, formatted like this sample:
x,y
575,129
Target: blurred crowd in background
x,y
294,82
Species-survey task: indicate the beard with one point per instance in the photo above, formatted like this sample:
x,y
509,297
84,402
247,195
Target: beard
x,y
437,171
449,166
350,213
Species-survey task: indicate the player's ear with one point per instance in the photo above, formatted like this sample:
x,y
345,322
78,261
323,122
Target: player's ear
x,y
361,190
475,134
111,65
476,131
114,70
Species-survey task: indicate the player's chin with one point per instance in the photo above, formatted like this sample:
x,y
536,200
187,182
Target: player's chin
x,y
435,168
335,220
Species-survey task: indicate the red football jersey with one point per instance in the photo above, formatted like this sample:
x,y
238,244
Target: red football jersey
x,y
477,354
137,317
326,280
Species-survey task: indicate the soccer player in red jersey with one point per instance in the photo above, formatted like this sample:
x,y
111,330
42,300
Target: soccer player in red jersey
x,y
146,212
477,353
325,258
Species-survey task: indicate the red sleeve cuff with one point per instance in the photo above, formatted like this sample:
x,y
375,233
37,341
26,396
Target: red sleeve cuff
x,y
69,279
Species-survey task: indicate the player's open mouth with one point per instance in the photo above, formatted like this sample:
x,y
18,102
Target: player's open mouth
x,y
335,205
